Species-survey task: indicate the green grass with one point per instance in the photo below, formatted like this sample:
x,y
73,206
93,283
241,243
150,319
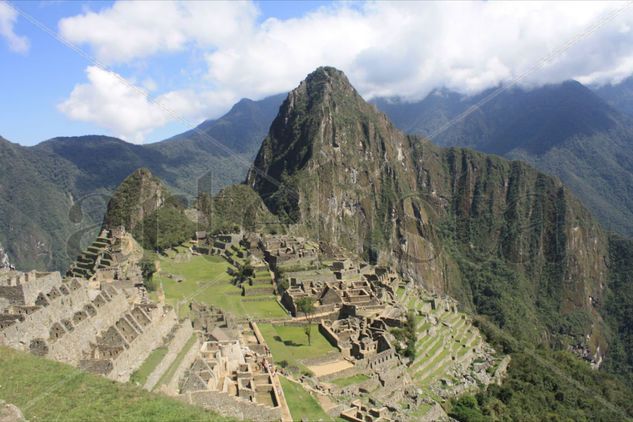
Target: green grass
x,y
169,373
140,375
302,405
290,343
51,391
205,280
354,379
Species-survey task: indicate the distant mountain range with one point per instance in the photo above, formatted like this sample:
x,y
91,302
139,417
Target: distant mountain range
x,y
582,135
566,130
52,193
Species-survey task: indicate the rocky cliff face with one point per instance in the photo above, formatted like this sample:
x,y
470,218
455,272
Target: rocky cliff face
x,y
339,169
138,196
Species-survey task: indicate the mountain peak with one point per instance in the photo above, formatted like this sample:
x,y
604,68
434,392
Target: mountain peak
x,y
325,79
137,196
323,115
327,74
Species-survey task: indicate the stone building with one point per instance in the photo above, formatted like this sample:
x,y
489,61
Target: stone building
x,y
105,330
232,373
360,412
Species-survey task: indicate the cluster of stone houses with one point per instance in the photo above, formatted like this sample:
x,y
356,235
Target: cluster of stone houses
x,y
232,373
360,412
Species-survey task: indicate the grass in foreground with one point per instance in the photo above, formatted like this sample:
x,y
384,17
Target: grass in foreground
x,y
51,391
205,280
302,405
140,375
290,343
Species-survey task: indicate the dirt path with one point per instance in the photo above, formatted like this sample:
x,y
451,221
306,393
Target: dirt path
x,y
330,367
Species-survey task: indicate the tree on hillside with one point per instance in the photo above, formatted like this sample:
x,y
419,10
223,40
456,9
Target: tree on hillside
x,y
164,228
148,268
305,305
244,272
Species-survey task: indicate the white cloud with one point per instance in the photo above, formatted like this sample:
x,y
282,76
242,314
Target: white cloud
x,y
124,109
8,16
386,48
130,30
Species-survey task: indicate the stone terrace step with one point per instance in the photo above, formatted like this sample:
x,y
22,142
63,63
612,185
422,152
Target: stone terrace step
x,y
178,341
435,352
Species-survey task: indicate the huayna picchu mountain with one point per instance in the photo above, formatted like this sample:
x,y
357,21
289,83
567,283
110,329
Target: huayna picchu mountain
x,y
506,240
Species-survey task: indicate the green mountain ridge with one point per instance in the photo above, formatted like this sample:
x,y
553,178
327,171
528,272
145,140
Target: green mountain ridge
x,y
53,196
461,222
564,130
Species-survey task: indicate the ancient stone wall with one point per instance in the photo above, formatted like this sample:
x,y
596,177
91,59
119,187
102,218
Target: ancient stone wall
x,y
40,283
152,337
172,387
71,347
183,334
232,407
39,323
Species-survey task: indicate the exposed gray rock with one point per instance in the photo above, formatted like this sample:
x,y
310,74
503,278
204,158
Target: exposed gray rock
x,y
10,413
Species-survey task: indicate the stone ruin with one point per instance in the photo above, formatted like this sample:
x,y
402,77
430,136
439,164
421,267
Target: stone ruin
x,y
110,257
290,251
363,289
360,412
232,373
359,307
215,245
106,330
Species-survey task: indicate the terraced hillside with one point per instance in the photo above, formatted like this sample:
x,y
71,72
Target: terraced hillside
x,y
448,347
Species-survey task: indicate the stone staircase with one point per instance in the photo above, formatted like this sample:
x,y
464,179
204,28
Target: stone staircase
x,y
97,256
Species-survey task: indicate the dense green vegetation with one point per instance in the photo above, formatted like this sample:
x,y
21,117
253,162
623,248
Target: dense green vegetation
x,y
618,309
33,198
511,244
164,228
57,191
46,390
565,130
407,335
138,195
145,208
237,206
544,385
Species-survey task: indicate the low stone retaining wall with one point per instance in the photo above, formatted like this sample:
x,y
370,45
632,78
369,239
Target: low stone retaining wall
x,y
179,341
172,386
152,337
233,407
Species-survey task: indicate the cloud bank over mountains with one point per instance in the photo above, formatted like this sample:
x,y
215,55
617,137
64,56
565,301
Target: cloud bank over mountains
x,y
386,48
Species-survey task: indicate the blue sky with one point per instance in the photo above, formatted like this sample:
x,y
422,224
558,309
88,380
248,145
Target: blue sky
x,y
33,83
172,65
